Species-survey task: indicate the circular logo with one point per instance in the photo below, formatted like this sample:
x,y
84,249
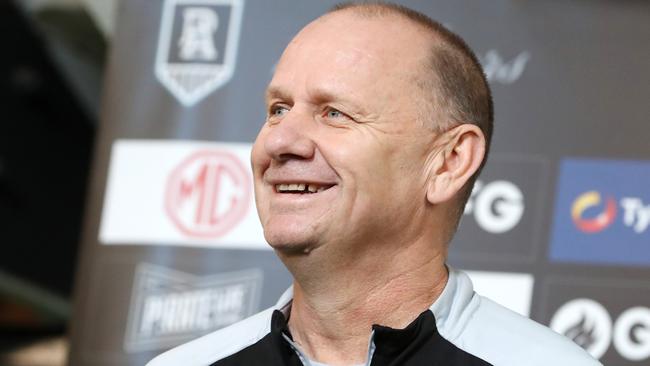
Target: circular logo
x,y
632,333
208,193
595,224
587,323
499,206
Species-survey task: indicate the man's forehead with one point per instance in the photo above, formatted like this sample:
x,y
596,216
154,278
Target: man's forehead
x,y
325,65
362,36
353,45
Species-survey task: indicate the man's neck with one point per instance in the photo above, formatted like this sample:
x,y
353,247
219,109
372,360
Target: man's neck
x,y
332,314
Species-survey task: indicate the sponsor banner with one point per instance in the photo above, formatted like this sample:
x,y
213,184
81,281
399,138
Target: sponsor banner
x,y
602,212
512,290
504,211
197,46
170,307
609,319
183,193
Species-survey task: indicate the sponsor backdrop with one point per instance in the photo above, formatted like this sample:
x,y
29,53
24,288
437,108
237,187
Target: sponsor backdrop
x,y
557,228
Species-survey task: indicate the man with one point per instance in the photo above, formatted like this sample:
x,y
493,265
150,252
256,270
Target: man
x,y
378,122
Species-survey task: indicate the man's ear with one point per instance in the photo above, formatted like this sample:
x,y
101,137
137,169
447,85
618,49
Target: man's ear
x,y
459,159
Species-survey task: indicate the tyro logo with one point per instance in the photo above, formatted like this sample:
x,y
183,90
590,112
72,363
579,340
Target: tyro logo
x,y
497,206
636,215
499,70
208,193
197,46
590,325
602,212
598,223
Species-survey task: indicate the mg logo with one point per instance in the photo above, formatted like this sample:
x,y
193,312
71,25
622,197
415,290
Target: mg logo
x,y
208,193
197,46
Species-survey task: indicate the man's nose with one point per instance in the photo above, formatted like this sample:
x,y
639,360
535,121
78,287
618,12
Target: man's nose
x,y
290,138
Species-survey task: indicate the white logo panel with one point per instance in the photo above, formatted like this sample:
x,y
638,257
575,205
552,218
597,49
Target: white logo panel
x,y
184,193
512,290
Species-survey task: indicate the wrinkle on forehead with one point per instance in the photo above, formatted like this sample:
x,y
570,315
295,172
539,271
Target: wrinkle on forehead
x,y
371,60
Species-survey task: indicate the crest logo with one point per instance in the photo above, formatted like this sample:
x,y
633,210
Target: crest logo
x,y
170,307
208,193
197,46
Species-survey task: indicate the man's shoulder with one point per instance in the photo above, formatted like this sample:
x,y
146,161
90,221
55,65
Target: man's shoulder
x,y
219,344
503,338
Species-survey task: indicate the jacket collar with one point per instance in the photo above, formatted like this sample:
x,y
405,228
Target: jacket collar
x,y
449,309
446,316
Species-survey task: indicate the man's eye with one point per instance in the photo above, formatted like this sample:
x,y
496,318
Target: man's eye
x,y
278,111
333,113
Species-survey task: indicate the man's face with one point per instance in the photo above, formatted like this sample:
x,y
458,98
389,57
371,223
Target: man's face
x,y
341,156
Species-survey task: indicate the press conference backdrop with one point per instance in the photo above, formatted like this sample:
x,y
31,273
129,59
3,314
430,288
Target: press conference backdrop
x,y
557,228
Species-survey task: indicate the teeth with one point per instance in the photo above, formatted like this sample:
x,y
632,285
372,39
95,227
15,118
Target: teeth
x,y
299,187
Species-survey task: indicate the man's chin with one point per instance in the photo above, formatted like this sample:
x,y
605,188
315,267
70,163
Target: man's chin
x,y
290,246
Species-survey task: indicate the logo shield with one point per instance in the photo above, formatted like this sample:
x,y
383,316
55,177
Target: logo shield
x,y
197,46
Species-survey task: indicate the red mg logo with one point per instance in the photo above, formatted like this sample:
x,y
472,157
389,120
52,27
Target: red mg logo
x,y
208,193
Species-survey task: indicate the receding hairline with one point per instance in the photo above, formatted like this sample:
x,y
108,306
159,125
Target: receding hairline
x,y
457,87
378,9
443,41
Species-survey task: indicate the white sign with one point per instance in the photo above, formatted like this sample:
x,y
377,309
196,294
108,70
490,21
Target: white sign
x,y
185,193
512,290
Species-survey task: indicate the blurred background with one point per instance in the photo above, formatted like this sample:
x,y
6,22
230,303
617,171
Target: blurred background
x,y
52,66
105,118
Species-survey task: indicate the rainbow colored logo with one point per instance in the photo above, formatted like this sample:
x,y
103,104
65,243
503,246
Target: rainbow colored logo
x,y
595,224
602,212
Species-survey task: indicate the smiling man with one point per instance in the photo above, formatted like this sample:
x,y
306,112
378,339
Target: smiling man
x,y
378,122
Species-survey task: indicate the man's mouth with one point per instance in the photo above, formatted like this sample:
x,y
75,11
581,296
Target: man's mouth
x,y
301,187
